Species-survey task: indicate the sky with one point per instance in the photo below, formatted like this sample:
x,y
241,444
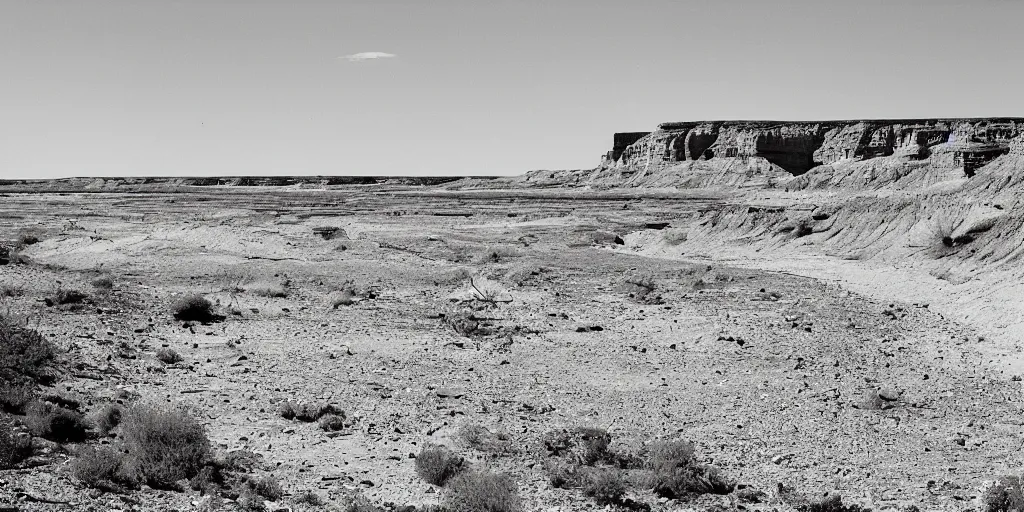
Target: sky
x,y
464,87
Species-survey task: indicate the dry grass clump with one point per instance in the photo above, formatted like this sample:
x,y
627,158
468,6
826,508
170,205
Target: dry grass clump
x,y
606,486
436,465
55,423
167,444
168,356
14,447
269,289
193,308
479,491
105,468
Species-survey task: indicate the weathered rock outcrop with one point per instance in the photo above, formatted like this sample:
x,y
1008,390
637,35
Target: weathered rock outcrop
x,y
799,146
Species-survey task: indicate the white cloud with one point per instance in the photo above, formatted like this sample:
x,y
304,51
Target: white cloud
x,y
359,57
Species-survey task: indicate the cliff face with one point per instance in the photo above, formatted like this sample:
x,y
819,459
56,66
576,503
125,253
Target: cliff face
x,y
799,146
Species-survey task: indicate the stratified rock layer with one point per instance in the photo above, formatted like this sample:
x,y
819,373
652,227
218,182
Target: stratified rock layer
x,y
798,146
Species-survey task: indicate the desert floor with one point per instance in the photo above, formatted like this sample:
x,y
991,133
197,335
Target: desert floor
x,y
773,375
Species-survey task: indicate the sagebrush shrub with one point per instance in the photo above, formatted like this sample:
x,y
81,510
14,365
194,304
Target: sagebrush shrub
x,y
474,491
167,444
436,465
55,423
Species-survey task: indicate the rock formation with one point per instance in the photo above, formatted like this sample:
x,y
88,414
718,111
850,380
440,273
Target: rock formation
x,y
798,146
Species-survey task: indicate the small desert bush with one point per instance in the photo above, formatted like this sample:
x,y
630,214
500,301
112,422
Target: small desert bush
x,y
474,491
24,353
266,487
496,255
465,323
67,296
488,291
107,418
584,446
15,396
676,473
308,498
28,237
193,308
11,290
14,447
167,444
103,283
308,412
436,465
563,475
641,288
168,356
268,289
345,297
606,486
55,423
480,438
830,503
674,236
105,468
333,422
1003,495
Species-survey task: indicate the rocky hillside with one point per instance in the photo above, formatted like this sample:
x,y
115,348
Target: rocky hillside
x,y
770,153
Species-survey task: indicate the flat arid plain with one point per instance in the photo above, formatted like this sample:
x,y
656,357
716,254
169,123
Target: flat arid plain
x,y
554,342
